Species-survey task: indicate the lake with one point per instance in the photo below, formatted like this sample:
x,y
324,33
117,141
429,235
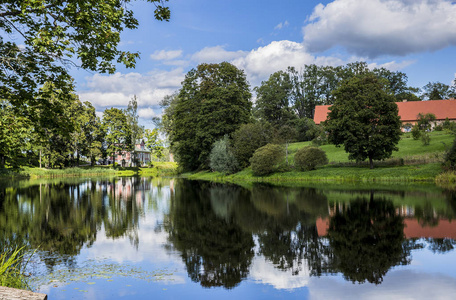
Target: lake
x,y
170,238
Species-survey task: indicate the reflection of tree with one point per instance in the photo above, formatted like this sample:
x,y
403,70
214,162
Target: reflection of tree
x,y
289,238
426,215
367,240
60,217
216,251
441,245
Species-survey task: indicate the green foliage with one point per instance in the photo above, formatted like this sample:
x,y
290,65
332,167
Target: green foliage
x,y
450,157
118,133
248,138
222,158
364,118
308,158
154,143
266,159
136,130
438,91
425,138
424,121
306,130
11,268
214,100
273,95
58,33
416,132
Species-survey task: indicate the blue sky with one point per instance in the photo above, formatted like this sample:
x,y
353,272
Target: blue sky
x,y
417,37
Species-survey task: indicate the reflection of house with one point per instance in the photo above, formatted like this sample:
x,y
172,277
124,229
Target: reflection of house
x,y
125,158
412,229
408,111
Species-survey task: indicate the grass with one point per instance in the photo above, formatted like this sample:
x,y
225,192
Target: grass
x,y
414,162
11,268
159,169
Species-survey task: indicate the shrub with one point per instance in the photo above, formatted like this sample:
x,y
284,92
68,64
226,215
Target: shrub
x,y
425,138
266,159
450,157
416,132
222,158
438,127
247,139
308,158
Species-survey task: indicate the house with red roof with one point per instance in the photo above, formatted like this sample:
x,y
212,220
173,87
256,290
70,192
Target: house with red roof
x,y
408,110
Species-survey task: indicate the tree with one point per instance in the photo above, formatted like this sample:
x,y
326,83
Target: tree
x,y
118,134
248,138
222,158
308,158
437,91
214,100
154,143
54,34
136,130
273,99
364,118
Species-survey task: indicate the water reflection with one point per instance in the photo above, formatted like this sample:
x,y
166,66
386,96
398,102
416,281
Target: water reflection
x,y
225,234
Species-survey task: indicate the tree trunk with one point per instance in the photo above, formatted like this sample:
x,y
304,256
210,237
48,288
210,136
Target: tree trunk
x,y
286,150
371,163
40,158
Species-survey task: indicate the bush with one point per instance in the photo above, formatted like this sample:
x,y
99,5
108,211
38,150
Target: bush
x,y
267,159
416,132
438,127
222,158
308,158
450,157
425,138
247,139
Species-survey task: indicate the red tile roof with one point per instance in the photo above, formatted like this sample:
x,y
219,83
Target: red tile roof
x,y
408,111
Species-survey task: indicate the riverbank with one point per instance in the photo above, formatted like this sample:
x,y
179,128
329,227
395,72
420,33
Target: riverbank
x,y
159,169
406,173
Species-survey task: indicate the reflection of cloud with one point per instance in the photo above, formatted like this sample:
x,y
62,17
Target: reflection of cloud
x,y
265,272
397,285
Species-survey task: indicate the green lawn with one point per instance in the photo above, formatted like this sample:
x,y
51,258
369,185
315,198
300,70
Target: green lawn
x,y
408,148
421,164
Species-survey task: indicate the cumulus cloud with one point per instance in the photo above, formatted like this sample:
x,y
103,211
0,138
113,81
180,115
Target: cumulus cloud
x,y
118,89
166,55
372,28
278,55
216,54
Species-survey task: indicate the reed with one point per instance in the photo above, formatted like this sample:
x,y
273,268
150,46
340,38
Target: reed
x,y
12,265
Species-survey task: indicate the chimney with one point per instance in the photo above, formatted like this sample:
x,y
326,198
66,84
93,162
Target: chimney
x,y
405,100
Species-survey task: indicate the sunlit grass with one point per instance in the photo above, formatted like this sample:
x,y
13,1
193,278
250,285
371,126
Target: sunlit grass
x,y
11,268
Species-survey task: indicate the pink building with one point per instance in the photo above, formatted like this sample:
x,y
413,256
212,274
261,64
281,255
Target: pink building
x,y
125,158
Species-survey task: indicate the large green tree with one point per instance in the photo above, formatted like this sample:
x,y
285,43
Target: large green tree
x,y
364,119
214,100
54,34
273,99
117,129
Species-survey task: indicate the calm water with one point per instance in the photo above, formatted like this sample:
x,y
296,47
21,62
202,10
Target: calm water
x,y
143,238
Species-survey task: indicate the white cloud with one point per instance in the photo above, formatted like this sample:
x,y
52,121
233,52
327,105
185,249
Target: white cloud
x,y
382,27
278,55
282,25
166,55
147,113
216,54
118,89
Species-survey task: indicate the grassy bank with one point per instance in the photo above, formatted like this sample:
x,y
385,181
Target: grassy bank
x,y
414,162
159,169
407,173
